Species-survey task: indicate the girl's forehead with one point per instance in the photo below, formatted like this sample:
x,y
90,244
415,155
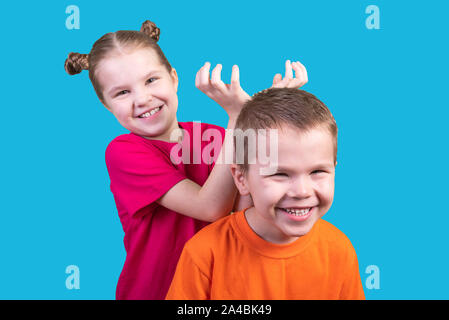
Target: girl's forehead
x,y
121,60
122,66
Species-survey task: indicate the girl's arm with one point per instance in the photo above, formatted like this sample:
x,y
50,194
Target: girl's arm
x,y
216,197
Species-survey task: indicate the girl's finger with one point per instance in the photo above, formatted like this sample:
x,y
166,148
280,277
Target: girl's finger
x,y
296,83
216,78
301,72
204,75
235,78
277,78
304,72
288,70
298,80
197,78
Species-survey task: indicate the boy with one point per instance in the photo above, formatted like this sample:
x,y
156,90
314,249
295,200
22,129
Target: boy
x,y
280,248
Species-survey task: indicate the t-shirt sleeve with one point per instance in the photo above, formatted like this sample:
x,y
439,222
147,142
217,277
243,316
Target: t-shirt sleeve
x,y
140,174
189,282
218,134
352,288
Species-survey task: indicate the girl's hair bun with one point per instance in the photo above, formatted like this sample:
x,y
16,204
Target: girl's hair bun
x,y
76,62
150,29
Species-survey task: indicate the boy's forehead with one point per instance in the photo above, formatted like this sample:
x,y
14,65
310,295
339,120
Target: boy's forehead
x,y
295,149
288,132
290,137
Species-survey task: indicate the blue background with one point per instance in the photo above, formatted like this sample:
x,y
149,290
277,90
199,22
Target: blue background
x,y
386,88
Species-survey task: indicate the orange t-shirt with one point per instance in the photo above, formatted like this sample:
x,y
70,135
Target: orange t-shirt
x,y
227,260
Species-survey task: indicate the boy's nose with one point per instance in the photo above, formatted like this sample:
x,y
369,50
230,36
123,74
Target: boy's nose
x,y
301,188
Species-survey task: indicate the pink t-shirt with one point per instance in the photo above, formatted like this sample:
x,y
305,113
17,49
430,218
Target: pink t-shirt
x,y
141,171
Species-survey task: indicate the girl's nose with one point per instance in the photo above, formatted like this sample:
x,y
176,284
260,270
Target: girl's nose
x,y
142,98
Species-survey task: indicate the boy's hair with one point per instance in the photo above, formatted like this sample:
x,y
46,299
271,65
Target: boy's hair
x,y
277,107
110,44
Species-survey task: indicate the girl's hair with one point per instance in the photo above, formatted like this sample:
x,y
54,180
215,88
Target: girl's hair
x,y
110,44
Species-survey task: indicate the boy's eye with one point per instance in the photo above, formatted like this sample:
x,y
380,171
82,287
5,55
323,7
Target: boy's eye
x,y
280,174
318,171
151,80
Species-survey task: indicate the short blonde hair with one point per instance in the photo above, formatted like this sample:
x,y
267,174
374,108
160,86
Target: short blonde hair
x,y
277,107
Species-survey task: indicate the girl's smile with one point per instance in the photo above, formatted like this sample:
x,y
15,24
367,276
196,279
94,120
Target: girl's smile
x,y
150,113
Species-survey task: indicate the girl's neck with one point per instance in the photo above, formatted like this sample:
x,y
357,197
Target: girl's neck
x,y
168,134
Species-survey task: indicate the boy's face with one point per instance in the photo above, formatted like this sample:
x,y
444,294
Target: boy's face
x,y
140,92
289,202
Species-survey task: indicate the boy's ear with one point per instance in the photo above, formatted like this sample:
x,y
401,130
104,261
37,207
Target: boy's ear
x,y
239,179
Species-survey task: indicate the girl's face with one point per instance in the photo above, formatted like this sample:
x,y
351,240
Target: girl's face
x,y
140,92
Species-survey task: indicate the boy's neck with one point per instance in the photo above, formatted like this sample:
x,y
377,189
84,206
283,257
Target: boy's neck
x,y
265,229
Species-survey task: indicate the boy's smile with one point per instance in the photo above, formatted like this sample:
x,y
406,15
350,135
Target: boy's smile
x,y
141,93
289,202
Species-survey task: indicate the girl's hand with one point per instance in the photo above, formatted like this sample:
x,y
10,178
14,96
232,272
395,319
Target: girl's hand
x,y
289,80
230,96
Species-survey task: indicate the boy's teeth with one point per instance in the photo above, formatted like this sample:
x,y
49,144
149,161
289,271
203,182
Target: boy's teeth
x,y
298,212
147,114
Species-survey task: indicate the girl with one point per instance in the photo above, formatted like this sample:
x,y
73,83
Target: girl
x,y
161,204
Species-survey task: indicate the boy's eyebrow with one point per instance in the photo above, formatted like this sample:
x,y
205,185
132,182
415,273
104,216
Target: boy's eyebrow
x,y
123,85
323,165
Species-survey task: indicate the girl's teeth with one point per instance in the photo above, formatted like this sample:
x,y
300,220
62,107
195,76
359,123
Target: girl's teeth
x,y
154,111
147,114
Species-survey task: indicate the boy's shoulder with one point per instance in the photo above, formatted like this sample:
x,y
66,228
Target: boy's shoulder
x,y
217,233
333,238
211,237
213,231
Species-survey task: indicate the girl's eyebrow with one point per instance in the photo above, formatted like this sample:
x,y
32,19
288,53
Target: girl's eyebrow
x,y
114,89
153,72
122,86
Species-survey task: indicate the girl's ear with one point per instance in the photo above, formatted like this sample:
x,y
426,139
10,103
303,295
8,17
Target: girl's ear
x,y
239,179
174,76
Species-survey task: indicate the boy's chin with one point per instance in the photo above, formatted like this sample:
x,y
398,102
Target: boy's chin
x,y
303,229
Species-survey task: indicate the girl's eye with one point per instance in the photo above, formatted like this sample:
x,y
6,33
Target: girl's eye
x,y
151,80
120,93
318,171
